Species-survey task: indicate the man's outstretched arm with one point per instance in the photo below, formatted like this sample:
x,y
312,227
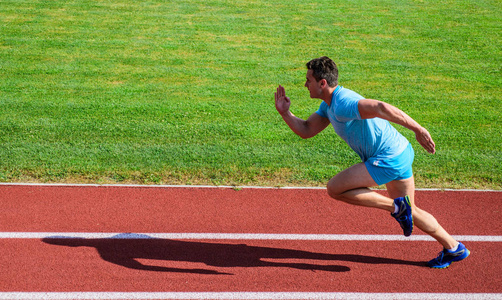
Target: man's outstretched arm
x,y
369,108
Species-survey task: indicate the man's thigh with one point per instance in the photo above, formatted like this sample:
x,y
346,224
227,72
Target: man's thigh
x,y
401,188
354,177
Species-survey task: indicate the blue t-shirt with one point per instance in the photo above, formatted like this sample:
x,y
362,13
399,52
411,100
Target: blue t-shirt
x,y
372,139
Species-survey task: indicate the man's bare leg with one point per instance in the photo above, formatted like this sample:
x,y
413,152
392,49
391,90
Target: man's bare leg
x,y
352,186
422,219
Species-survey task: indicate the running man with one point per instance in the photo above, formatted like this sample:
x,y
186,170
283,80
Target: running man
x,y
387,155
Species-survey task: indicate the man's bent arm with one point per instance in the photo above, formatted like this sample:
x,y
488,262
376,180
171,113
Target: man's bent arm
x,y
305,128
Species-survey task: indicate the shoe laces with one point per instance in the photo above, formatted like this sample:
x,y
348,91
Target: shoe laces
x,y
440,256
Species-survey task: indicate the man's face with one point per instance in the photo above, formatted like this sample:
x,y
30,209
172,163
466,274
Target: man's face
x,y
313,85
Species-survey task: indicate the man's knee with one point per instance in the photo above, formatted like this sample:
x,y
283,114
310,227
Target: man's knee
x,y
334,195
334,190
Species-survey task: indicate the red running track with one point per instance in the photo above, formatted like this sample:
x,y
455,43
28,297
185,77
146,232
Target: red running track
x,y
164,265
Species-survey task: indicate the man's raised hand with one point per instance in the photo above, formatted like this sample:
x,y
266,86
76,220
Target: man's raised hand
x,y
282,102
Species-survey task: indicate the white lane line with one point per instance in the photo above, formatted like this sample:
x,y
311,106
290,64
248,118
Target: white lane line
x,y
245,295
241,236
210,186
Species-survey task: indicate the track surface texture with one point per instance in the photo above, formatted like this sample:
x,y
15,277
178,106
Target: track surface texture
x,y
137,252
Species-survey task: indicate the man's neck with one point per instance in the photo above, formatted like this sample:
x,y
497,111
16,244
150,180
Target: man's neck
x,y
328,95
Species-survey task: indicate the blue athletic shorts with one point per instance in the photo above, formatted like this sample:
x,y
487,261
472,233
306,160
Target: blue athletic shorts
x,y
395,168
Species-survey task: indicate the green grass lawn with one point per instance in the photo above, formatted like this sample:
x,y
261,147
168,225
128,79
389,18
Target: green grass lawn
x,y
181,92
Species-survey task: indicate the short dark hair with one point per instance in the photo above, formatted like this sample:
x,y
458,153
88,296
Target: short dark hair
x,y
324,68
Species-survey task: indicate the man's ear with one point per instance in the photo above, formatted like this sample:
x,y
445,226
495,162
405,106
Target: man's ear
x,y
323,83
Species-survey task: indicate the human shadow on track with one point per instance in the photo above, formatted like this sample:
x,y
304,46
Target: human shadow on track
x,y
125,250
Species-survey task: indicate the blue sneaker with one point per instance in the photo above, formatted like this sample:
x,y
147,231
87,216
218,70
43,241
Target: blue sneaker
x,y
403,216
446,257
